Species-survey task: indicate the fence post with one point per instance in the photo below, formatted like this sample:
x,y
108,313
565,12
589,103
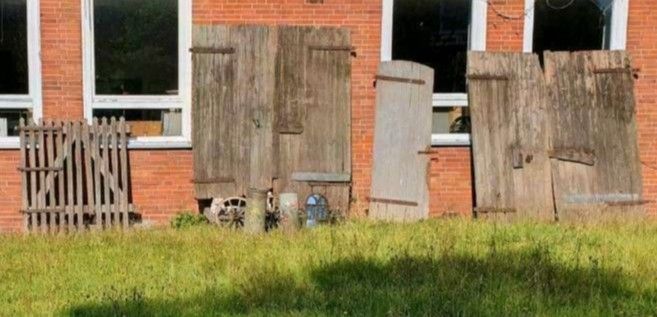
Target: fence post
x,y
254,217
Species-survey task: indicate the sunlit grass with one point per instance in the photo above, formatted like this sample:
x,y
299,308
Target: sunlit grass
x,y
442,267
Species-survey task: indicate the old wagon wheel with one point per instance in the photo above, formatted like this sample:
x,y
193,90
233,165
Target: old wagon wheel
x,y
231,212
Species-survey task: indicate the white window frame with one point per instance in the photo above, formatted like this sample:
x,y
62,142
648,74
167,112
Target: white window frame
x,y
476,42
182,101
33,100
618,35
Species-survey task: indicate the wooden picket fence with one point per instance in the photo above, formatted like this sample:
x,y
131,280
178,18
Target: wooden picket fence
x,y
75,175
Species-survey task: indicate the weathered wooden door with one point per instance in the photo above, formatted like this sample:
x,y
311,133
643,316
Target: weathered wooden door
x,y
595,167
508,104
400,189
313,113
233,87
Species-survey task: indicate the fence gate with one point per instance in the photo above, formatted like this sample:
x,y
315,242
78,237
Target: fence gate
x,y
74,175
400,189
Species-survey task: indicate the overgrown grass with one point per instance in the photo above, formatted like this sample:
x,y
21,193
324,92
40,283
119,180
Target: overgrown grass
x,y
451,267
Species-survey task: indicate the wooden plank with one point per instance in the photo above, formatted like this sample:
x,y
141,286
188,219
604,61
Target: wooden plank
x,y
50,153
24,184
313,114
95,150
33,176
124,173
508,103
105,163
70,188
594,109
399,190
79,186
60,152
321,177
216,116
41,194
88,169
116,193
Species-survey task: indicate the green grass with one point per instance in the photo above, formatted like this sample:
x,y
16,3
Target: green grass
x,y
435,268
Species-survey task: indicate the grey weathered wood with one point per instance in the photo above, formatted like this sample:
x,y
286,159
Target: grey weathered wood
x,y
95,152
593,109
171,123
508,103
24,189
33,177
321,177
233,114
70,172
50,152
116,191
124,173
105,155
402,132
321,102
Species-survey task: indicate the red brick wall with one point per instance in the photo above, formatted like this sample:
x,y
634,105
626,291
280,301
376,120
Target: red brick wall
x,y
642,45
161,178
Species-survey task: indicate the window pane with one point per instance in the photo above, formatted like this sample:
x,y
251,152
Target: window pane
x,y
434,33
13,47
9,119
580,26
136,47
451,120
147,122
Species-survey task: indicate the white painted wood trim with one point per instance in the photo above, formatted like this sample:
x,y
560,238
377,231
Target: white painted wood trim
x,y
450,100
528,32
456,139
619,18
183,100
478,25
386,30
34,99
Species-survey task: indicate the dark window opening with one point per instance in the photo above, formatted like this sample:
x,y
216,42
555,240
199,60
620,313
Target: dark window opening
x,y
13,47
146,123
579,26
10,120
434,33
136,47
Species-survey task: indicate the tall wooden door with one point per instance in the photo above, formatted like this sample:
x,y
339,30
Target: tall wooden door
x,y
508,104
233,114
313,113
400,190
595,167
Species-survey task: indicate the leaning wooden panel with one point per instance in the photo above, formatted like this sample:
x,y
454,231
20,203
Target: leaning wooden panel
x,y
323,145
508,100
400,189
233,109
596,165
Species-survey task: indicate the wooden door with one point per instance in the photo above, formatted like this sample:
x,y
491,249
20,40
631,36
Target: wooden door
x,y
233,89
400,190
313,113
508,103
595,167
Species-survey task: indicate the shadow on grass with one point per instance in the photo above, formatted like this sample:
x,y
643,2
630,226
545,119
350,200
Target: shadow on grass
x,y
500,284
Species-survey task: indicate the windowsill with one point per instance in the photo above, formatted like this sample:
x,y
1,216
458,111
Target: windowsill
x,y
9,143
447,140
151,143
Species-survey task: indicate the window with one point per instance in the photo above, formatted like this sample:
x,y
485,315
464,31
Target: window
x,y
572,25
438,33
20,67
137,66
